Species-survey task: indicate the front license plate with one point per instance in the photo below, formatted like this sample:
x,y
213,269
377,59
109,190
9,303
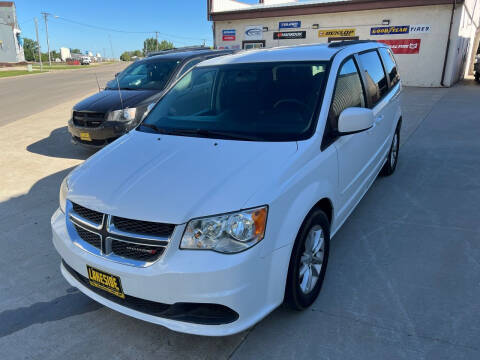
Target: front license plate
x,y
85,136
105,281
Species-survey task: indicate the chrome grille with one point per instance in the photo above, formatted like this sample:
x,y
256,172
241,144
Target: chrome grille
x,y
92,238
88,119
143,227
137,251
137,243
93,216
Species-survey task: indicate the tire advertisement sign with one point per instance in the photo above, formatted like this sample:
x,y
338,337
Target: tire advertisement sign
x,y
420,29
229,35
289,24
334,33
403,46
253,33
390,30
289,35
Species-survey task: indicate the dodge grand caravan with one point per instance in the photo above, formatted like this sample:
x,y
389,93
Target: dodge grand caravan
x,y
221,204
103,117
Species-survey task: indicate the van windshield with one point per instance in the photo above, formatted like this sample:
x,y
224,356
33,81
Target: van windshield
x,y
144,75
256,102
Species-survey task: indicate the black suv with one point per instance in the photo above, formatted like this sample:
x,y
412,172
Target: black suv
x,y
101,118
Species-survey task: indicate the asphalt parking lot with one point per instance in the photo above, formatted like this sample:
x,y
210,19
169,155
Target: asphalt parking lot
x,y
403,280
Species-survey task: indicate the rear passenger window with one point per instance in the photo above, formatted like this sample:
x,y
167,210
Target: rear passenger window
x,y
376,81
188,66
390,65
348,93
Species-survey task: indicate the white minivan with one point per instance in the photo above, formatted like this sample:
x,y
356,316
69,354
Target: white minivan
x,y
221,204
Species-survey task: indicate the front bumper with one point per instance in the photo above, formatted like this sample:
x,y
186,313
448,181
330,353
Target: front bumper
x,y
100,136
247,283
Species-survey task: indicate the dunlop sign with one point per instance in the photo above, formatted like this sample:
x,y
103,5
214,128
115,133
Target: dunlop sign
x,y
333,33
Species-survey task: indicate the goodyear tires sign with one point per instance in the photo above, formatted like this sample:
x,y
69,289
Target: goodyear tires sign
x,y
390,30
335,33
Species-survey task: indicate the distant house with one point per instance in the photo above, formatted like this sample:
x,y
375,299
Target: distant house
x,y
11,44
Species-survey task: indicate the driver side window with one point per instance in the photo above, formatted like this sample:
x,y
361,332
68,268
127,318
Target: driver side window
x,y
348,93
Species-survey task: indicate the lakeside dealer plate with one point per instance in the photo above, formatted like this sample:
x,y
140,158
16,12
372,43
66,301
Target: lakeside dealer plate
x,y
105,281
85,136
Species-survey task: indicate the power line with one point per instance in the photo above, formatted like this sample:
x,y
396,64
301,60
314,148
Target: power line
x,y
126,31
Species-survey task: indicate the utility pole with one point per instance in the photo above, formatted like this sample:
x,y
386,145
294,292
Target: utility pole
x,y
156,38
111,46
38,43
45,17
104,55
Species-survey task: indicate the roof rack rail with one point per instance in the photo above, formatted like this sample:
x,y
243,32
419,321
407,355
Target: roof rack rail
x,y
180,49
350,42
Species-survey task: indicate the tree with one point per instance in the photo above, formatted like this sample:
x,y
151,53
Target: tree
x,y
30,48
126,56
151,44
75,51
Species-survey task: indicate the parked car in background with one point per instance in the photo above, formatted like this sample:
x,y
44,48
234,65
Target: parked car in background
x,y
107,115
221,204
85,60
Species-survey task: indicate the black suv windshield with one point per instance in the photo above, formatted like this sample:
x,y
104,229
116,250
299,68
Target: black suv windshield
x,y
144,75
259,101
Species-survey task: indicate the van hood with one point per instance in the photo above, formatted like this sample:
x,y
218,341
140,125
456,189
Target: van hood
x,y
109,100
173,179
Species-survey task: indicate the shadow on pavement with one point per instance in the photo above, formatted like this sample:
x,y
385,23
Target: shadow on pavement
x,y
41,312
59,145
25,224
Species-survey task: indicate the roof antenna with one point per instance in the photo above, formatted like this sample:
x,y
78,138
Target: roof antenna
x,y
96,78
119,92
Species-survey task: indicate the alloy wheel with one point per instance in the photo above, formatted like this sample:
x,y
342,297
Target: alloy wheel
x,y
311,261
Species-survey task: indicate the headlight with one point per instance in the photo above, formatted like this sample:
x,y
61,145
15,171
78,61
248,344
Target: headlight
x,y
127,114
63,194
229,233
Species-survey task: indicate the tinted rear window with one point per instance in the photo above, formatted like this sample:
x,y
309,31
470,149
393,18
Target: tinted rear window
x,y
376,80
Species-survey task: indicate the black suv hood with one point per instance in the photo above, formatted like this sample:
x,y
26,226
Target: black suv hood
x,y
108,100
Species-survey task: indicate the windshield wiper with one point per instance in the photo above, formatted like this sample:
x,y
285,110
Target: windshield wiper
x,y
153,127
201,133
210,134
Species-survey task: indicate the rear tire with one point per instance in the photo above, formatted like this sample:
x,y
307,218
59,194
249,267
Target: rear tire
x,y
308,262
392,158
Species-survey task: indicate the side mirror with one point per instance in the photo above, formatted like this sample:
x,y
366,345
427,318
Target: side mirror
x,y
117,74
355,120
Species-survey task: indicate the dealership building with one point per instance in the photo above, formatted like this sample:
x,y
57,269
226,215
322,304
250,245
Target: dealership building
x,y
435,41
11,46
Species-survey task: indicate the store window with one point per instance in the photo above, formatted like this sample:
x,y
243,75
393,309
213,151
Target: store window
x,y
253,44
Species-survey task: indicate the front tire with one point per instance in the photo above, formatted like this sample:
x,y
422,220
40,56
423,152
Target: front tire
x,y
392,158
308,262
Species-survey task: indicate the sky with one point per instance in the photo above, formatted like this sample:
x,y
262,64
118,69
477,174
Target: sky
x,y
184,22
